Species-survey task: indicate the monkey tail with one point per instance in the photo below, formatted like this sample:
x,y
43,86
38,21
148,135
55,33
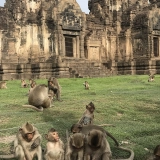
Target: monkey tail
x,y
128,150
33,107
7,156
108,134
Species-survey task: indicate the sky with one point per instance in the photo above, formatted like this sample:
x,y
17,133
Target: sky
x,y
83,4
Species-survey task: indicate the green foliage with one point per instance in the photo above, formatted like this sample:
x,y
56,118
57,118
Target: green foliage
x,y
131,103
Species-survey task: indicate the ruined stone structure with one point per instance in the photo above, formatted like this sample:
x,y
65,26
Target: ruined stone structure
x,y
43,38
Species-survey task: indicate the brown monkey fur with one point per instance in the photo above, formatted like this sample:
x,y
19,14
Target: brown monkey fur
x,y
38,98
75,146
86,85
32,84
23,83
157,153
76,128
27,144
88,115
97,146
54,86
3,85
151,78
54,146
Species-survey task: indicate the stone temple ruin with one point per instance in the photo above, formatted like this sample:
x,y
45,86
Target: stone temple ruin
x,y
43,38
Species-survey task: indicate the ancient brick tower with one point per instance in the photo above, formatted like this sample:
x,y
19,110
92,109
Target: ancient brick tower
x,y
43,38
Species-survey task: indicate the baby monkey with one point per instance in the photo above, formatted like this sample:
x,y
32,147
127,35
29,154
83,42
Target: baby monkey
x,y
157,153
54,146
32,84
86,85
88,115
23,83
3,85
151,78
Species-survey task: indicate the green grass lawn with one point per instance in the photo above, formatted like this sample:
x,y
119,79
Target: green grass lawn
x,y
131,103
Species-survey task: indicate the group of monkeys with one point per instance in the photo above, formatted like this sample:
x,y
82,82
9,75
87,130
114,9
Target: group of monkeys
x,y
85,141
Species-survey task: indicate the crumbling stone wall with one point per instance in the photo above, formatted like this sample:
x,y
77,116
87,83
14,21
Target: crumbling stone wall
x,y
40,38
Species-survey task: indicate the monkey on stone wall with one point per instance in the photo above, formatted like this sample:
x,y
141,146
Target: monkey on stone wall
x,y
3,85
27,144
38,98
54,146
54,86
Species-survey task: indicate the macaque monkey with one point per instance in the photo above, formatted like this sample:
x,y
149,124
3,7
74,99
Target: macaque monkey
x,y
157,153
78,128
88,115
32,84
3,85
97,146
54,146
27,144
86,85
75,147
54,86
38,98
151,78
23,83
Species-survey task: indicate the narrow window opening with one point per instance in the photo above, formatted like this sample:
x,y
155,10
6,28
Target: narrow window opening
x,y
156,46
69,46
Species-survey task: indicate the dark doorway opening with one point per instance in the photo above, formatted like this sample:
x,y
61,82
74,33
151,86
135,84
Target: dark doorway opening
x,y
156,46
69,46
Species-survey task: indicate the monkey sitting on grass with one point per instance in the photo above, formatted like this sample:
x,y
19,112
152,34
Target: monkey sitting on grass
x,y
3,85
27,144
151,78
86,85
54,146
88,115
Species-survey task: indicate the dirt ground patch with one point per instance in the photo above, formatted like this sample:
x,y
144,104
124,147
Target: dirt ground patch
x,y
7,140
